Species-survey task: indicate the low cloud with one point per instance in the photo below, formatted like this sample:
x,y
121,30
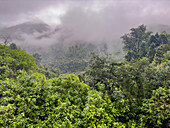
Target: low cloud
x,y
90,21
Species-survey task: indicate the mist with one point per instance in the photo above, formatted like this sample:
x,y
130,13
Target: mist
x,y
87,21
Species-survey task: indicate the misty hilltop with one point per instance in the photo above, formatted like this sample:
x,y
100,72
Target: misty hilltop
x,y
27,28
159,28
71,21
33,32
45,23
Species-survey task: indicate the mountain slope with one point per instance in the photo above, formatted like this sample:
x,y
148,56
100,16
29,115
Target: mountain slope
x,y
27,28
159,28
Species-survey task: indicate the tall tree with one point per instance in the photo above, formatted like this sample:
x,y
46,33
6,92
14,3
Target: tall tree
x,y
134,42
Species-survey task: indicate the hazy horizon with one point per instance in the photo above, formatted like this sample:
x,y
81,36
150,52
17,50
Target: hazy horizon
x,y
86,20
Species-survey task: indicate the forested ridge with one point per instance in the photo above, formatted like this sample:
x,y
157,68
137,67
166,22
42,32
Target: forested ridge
x,y
104,93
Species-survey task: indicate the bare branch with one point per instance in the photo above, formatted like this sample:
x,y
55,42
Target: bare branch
x,y
6,39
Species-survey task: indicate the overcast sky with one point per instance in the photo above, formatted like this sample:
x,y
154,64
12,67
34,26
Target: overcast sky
x,y
55,12
88,19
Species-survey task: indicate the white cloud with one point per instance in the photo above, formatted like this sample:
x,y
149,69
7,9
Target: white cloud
x,y
52,15
89,20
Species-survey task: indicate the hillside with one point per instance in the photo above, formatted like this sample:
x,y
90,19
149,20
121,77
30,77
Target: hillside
x,y
27,27
159,28
131,93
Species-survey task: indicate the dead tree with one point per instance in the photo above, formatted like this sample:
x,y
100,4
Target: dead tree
x,y
6,39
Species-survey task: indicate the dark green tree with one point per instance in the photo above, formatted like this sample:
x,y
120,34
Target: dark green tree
x,y
156,110
134,42
13,46
151,52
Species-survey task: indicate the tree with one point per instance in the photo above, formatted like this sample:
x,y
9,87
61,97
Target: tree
x,y
101,74
156,109
13,46
38,57
151,51
6,39
134,42
73,60
158,39
16,60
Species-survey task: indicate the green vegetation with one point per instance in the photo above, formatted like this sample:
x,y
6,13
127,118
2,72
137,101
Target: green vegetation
x,y
134,93
140,43
73,60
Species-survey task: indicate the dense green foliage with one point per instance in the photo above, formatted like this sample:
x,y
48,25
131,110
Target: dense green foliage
x,y
73,60
140,43
133,93
11,61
